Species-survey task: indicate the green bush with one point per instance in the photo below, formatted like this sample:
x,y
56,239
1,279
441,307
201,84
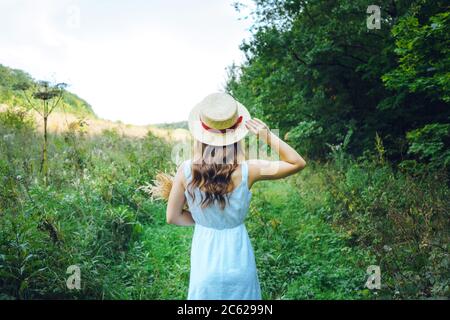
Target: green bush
x,y
90,214
431,144
16,119
403,221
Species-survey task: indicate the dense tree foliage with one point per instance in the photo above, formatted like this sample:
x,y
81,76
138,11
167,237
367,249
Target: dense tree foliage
x,y
338,90
315,71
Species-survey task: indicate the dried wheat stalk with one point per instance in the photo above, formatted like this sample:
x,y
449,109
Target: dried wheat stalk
x,y
160,189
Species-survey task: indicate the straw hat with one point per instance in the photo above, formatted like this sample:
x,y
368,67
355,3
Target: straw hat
x,y
218,120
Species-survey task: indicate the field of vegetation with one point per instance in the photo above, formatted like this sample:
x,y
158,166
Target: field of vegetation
x,y
368,109
314,234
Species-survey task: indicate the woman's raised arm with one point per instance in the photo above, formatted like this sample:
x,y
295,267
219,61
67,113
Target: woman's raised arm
x,y
290,161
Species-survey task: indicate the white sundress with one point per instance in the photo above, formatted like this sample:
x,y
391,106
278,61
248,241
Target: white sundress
x,y
222,259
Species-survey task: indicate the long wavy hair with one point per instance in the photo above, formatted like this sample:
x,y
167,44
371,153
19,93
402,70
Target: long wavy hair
x,y
212,171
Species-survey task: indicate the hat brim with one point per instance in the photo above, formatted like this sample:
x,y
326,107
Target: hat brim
x,y
216,138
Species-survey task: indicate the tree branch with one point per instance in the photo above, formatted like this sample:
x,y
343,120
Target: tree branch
x,y
296,57
31,104
56,103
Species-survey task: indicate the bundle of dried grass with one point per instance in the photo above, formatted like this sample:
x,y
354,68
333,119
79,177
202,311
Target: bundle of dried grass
x,y
160,189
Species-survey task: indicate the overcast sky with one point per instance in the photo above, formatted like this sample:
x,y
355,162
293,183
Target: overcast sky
x,y
138,61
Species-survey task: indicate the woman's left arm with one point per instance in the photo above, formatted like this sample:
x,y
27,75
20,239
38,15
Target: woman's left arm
x,y
175,213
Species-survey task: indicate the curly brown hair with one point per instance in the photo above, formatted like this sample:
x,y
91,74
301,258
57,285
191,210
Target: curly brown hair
x,y
212,173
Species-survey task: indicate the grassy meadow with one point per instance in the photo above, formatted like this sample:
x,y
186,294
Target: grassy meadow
x,y
314,234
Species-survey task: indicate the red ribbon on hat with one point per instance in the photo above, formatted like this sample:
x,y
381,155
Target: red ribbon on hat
x,y
239,120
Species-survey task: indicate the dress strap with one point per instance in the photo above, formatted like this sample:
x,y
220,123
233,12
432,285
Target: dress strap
x,y
244,171
187,170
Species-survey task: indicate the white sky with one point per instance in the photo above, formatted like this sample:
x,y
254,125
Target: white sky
x,y
138,61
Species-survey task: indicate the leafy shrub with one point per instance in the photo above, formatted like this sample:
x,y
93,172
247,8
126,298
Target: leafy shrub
x,y
16,119
403,221
304,138
90,214
431,144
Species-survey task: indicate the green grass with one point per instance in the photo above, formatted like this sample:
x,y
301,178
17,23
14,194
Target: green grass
x,y
314,234
299,255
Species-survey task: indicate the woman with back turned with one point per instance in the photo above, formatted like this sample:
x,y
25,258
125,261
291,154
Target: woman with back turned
x,y
216,185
